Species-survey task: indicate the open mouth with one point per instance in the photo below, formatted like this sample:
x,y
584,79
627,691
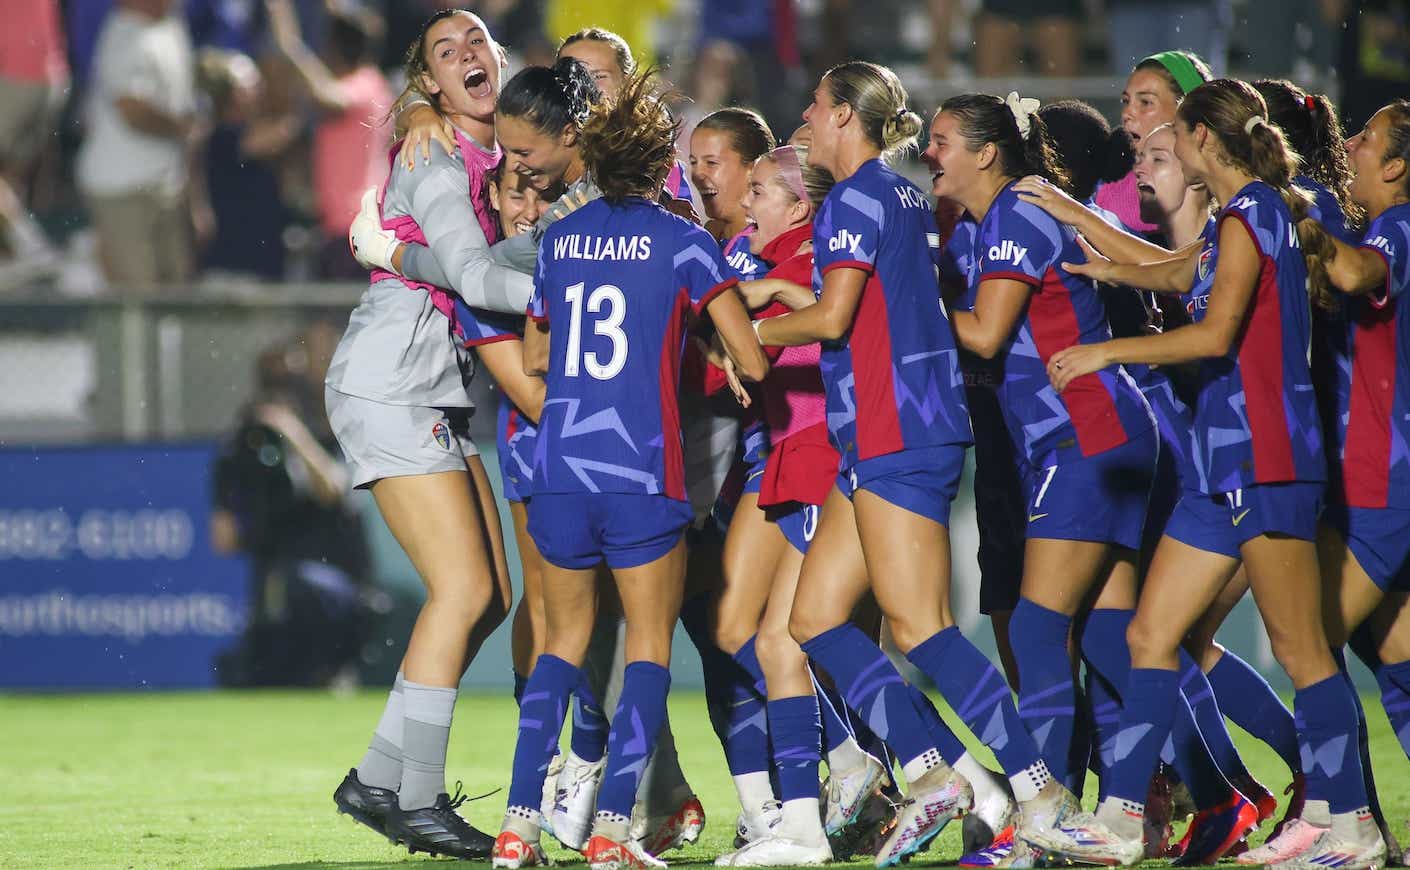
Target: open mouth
x,y
523,225
477,83
1145,189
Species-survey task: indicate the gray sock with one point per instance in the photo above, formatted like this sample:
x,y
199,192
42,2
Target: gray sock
x,y
425,735
381,766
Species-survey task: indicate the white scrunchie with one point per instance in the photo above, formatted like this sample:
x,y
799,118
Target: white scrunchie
x,y
1022,109
1253,123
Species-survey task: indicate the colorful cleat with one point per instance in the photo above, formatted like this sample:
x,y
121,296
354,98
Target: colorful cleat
x,y
604,854
865,836
993,855
512,852
1296,837
367,804
664,833
1297,789
1332,851
1215,831
846,792
922,817
1258,795
1058,831
774,851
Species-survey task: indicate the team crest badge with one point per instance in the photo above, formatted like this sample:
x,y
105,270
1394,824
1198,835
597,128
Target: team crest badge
x,y
1203,266
441,432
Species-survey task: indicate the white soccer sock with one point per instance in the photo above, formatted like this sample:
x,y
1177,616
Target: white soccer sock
x,y
987,785
848,755
754,791
1028,782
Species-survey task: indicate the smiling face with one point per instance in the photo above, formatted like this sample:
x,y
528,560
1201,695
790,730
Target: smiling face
x,y
771,207
719,174
824,120
1366,151
952,165
1160,179
518,203
540,158
1146,103
601,61
462,66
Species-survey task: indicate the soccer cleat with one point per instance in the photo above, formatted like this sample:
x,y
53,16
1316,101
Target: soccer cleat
x,y
439,830
1215,831
922,816
367,804
604,854
772,851
664,833
1160,811
983,824
512,852
873,825
549,796
1297,791
846,792
1296,837
756,826
1333,851
992,855
1258,795
576,800
1059,831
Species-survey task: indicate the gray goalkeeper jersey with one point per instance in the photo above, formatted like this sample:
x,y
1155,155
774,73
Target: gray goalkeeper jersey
x,y
399,347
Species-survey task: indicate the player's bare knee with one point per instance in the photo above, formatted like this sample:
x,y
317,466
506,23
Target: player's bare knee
x,y
778,651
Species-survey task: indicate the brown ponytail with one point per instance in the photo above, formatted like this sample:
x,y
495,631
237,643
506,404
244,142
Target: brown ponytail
x,y
628,143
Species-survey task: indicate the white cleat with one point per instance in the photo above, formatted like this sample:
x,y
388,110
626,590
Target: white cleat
x,y
1058,827
550,793
1333,851
847,791
576,800
922,816
1296,837
758,825
772,851
987,819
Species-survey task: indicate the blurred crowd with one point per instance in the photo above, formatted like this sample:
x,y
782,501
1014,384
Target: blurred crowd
x,y
158,142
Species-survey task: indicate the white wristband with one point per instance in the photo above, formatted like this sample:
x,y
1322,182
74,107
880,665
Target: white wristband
x,y
755,324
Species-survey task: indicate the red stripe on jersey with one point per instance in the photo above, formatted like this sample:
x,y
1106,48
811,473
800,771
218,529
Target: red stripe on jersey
x,y
672,456
1381,300
878,419
1023,277
848,264
1261,370
491,339
714,292
1366,460
511,423
1089,404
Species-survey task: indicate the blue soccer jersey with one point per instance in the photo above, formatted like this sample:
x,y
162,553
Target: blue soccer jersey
x,y
1256,418
616,283
1096,412
743,263
1374,381
893,381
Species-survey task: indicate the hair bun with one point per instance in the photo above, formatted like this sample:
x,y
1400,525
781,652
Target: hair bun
x,y
900,128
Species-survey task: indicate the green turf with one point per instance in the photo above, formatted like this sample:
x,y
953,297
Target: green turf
x,y
244,779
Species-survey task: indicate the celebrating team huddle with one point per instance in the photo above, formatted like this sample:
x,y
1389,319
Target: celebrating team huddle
x,y
1178,350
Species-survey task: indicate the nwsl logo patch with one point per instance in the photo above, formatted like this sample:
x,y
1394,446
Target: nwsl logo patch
x,y
441,432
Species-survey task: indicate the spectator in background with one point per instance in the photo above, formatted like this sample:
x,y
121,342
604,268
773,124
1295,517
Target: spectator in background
x,y
1007,29
633,20
1375,56
350,139
765,33
133,166
34,80
1140,28
282,500
239,208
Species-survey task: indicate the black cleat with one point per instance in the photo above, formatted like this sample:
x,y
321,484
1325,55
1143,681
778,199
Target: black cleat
x,y
438,829
367,804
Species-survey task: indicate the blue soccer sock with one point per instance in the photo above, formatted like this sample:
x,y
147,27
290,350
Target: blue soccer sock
x,y
635,727
1106,721
541,714
1395,697
796,731
590,725
836,730
1194,685
1250,703
1148,713
1363,739
867,739
870,685
1104,647
1328,716
951,749
746,742
520,681
973,688
1047,701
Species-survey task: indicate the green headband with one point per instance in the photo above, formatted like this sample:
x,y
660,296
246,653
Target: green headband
x,y
1181,68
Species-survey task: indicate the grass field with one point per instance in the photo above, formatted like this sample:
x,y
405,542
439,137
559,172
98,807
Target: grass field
x,y
244,779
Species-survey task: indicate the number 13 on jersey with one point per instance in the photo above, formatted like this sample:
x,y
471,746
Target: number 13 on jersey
x,y
608,324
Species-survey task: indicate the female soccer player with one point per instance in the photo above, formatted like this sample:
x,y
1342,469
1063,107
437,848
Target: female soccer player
x,y
613,490
1153,92
397,403
1092,455
723,148
1259,452
896,414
